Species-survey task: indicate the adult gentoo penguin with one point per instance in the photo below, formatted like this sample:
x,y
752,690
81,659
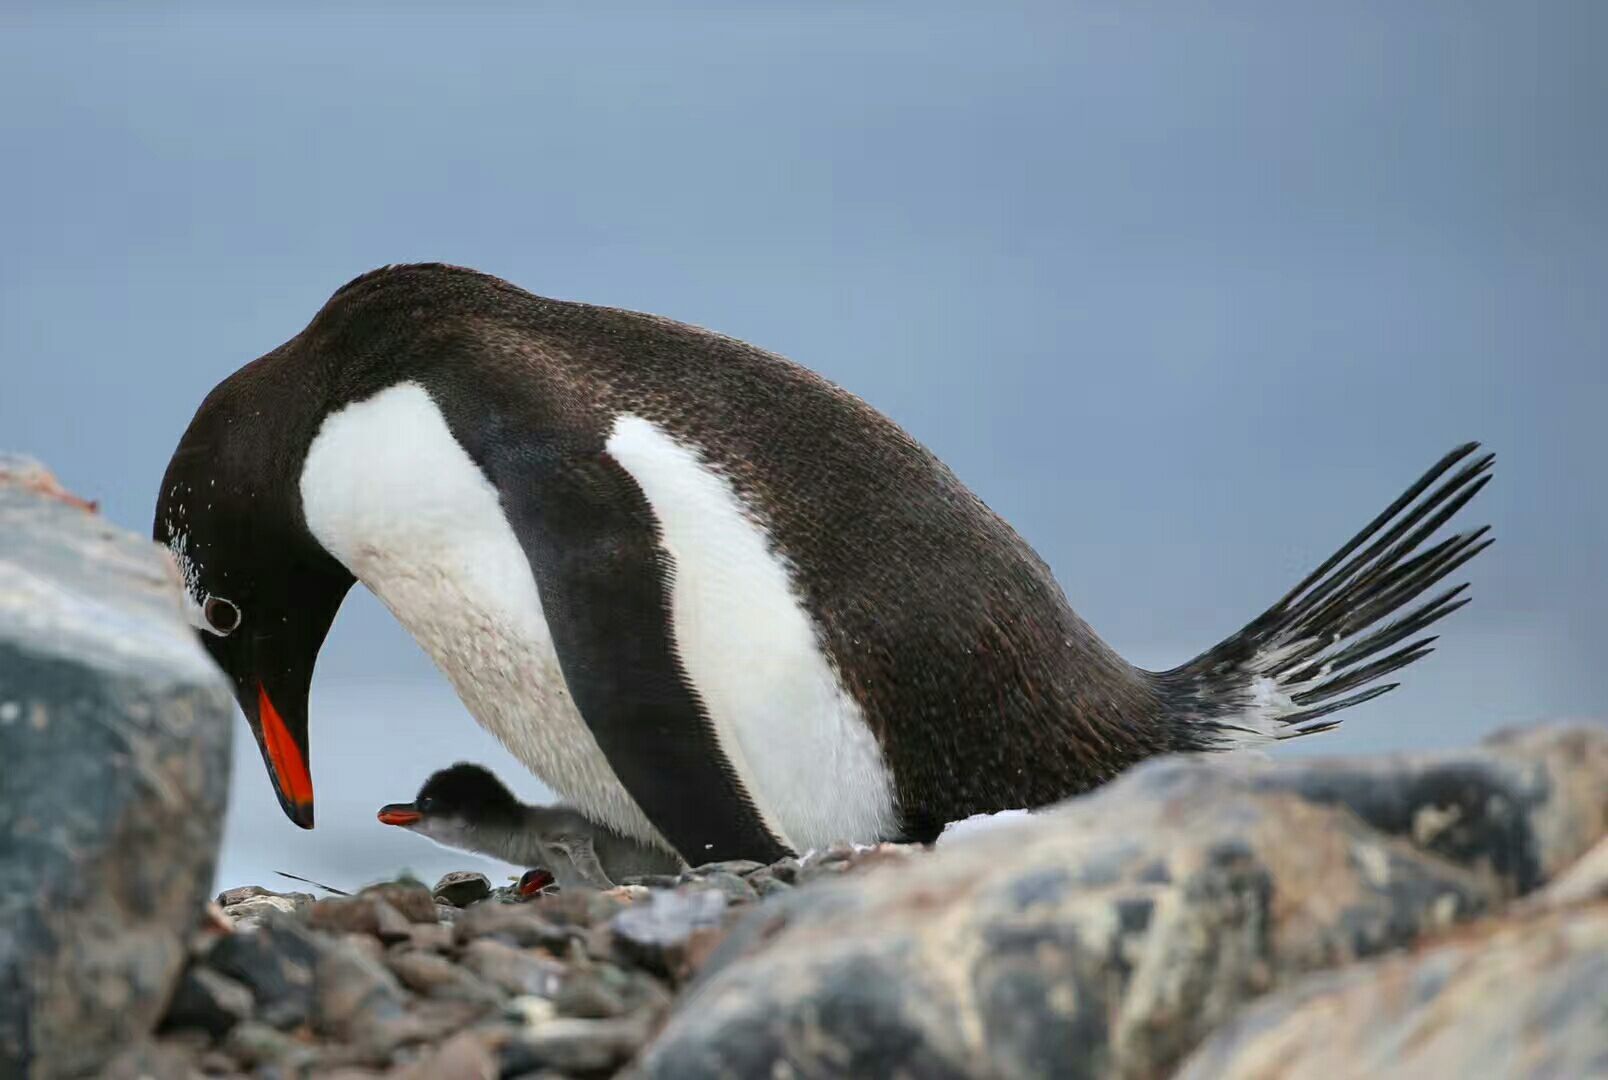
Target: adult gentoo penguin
x,y
715,602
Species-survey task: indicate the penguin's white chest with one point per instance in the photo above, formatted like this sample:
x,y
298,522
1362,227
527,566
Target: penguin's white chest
x,y
389,492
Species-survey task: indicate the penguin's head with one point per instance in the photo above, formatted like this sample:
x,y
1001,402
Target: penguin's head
x,y
454,804
259,589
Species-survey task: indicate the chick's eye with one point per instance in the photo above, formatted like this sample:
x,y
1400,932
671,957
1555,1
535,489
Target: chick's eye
x,y
221,614
424,804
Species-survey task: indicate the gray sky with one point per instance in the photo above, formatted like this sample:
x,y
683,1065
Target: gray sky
x,y
1186,294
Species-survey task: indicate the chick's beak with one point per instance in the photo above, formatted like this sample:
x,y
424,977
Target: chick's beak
x,y
399,814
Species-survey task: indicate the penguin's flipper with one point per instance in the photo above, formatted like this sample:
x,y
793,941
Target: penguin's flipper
x,y
604,578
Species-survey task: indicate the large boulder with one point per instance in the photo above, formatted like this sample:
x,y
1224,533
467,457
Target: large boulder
x,y
1110,936
1525,997
114,767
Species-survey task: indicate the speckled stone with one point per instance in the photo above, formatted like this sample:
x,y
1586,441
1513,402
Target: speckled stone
x,y
1110,936
115,730
1522,997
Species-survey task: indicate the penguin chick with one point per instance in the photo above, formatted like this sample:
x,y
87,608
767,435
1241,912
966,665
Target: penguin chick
x,y
467,807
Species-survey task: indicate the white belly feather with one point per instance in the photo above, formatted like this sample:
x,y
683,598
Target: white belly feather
x,y
388,491
798,741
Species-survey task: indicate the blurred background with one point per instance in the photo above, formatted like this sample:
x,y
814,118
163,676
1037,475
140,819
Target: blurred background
x,y
1186,293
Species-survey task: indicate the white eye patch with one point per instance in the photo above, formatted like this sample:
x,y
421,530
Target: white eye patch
x,y
200,606
222,616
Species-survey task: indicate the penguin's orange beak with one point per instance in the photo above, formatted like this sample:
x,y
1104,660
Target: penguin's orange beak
x,y
398,813
287,761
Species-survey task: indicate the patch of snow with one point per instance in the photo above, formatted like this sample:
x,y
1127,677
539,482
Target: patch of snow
x,y
978,824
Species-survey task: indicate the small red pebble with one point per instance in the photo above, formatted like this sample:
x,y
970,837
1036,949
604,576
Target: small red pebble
x,y
533,882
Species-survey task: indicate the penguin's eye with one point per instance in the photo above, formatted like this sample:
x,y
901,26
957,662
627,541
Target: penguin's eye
x,y
222,615
424,805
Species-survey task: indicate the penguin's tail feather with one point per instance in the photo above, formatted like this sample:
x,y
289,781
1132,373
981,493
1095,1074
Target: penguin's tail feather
x,y
1330,641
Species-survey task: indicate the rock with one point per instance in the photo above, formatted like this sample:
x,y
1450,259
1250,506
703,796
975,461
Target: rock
x,y
578,907
1586,880
356,996
516,924
467,1056
574,1046
660,933
244,894
276,963
1518,809
258,910
740,867
1571,813
256,1044
589,994
1508,998
597,991
208,1001
364,914
152,1061
410,898
389,925
629,894
734,888
462,888
437,977
114,733
1110,935
785,870
515,970
766,883
432,936
240,894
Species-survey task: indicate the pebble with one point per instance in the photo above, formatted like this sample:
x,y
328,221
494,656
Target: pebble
x,y
460,980
766,883
462,888
517,924
208,1001
257,910
275,962
518,971
410,898
574,1045
356,995
741,867
364,914
784,870
437,977
230,897
148,1061
255,1044
465,1056
436,937
735,889
657,934
586,993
